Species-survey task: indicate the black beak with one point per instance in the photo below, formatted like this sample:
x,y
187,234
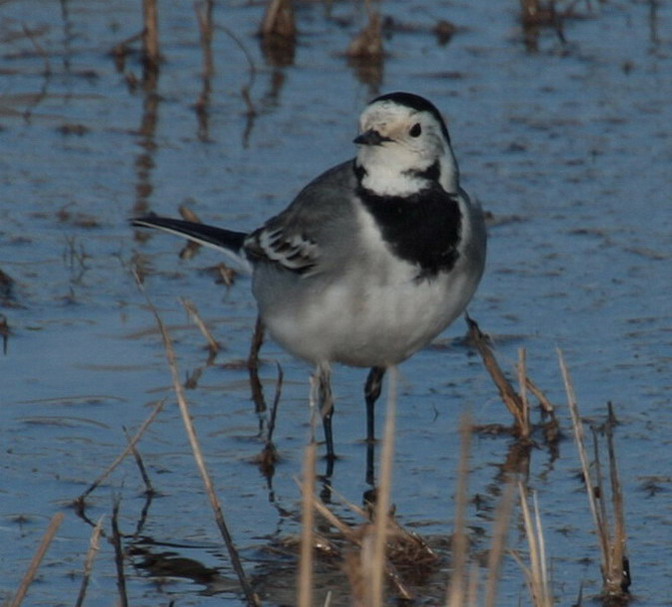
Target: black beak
x,y
370,137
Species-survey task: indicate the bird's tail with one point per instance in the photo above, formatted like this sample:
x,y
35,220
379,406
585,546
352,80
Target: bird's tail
x,y
227,241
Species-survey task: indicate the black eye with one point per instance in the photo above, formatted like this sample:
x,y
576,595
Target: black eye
x,y
416,130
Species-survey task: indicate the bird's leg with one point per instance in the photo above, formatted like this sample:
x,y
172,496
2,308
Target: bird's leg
x,y
326,406
321,401
253,368
370,477
372,388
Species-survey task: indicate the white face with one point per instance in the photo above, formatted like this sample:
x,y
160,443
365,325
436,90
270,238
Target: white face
x,y
411,141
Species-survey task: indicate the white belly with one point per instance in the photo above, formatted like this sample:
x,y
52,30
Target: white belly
x,y
369,325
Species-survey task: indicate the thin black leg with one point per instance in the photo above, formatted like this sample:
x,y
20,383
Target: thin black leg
x,y
323,402
370,477
326,405
253,370
328,433
372,388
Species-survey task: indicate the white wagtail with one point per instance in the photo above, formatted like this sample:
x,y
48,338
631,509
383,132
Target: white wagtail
x,y
373,259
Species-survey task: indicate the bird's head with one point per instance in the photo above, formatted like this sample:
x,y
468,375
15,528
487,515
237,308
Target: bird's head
x,y
403,144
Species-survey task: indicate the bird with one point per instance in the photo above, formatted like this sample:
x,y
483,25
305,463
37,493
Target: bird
x,y
372,260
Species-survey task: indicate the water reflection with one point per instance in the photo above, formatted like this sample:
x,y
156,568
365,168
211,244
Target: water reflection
x,y
206,24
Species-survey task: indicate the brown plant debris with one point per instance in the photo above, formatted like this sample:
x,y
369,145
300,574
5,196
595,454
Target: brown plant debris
x,y
409,559
213,345
368,44
94,546
513,401
516,402
190,248
72,128
444,30
150,38
279,19
535,12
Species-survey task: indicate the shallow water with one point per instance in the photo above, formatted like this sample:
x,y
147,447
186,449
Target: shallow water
x,y
569,148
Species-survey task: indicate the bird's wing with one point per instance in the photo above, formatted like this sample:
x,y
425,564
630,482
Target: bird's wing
x,y
315,231
320,218
279,245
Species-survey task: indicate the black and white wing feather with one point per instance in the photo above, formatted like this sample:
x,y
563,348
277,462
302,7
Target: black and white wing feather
x,y
295,252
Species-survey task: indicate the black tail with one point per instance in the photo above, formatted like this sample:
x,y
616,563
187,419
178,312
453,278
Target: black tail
x,y
226,240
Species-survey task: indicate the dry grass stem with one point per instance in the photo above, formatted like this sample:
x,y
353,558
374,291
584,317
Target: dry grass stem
x,y
28,578
352,565
246,88
150,35
551,426
521,368
206,30
178,388
544,401
382,510
188,214
118,554
542,565
305,581
472,585
510,397
536,573
349,533
129,448
224,275
120,51
190,307
615,565
94,546
459,544
579,437
39,50
205,475
498,545
308,501
619,578
149,490
190,248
